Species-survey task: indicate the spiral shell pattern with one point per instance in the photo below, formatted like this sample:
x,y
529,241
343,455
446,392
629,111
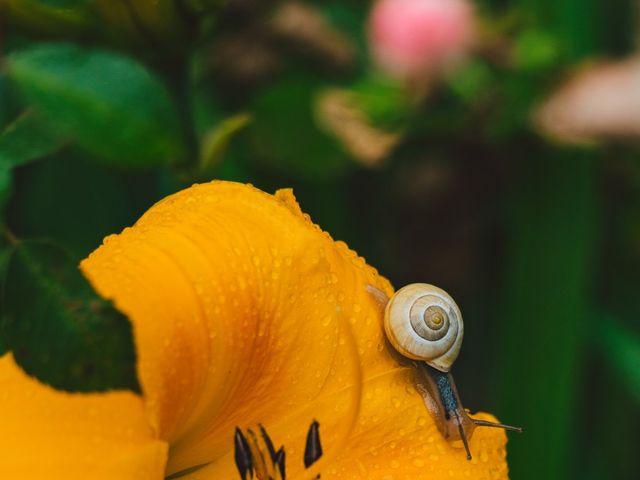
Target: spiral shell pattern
x,y
423,322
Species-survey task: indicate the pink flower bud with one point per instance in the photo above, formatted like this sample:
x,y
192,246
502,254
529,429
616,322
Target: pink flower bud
x,y
413,38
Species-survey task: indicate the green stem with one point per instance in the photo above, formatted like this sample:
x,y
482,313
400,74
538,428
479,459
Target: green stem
x,y
544,332
178,79
546,311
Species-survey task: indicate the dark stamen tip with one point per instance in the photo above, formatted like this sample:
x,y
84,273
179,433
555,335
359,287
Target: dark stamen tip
x,y
243,458
268,443
313,448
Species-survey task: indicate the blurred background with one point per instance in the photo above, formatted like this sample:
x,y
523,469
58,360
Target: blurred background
x,y
489,147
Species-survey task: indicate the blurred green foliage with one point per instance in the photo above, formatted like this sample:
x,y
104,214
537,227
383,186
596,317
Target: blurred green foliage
x,y
104,111
85,92
51,314
620,346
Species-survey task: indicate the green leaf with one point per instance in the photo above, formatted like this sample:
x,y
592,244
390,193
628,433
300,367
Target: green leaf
x,y
109,103
59,330
621,347
216,140
27,138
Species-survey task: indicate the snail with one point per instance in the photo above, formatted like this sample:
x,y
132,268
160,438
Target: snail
x,y
424,324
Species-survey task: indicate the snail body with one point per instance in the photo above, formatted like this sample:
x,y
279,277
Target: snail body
x,y
423,323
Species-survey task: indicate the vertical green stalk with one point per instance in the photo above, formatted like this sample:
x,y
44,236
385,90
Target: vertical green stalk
x,y
177,77
549,272
546,313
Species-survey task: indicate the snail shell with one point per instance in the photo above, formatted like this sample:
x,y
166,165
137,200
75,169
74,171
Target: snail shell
x,y
423,322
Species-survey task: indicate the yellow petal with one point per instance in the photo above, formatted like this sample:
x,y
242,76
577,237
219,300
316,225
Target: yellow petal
x,y
244,312
395,438
50,434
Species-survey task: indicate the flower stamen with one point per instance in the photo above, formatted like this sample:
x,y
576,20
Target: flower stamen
x,y
313,448
243,455
251,459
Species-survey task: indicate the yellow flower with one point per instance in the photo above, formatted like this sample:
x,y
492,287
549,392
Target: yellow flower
x,y
244,313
